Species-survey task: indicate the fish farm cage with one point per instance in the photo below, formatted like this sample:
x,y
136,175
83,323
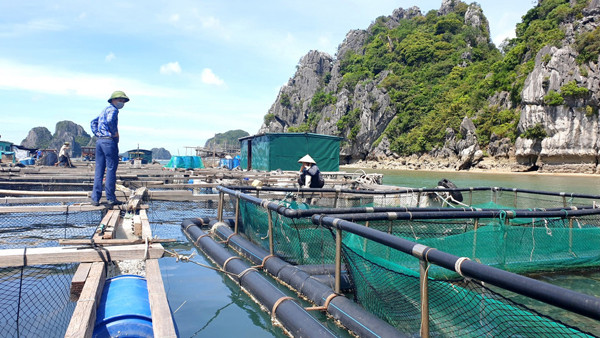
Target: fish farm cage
x,y
430,262
35,299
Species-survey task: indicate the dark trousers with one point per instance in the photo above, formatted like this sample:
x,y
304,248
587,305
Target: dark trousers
x,y
107,158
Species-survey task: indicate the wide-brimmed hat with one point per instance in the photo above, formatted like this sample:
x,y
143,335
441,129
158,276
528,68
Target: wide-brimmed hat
x,y
67,143
307,159
118,95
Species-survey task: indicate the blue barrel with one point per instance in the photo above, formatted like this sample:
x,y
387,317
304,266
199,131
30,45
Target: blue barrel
x,y
124,309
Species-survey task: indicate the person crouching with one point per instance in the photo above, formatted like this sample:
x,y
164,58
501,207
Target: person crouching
x,y
310,175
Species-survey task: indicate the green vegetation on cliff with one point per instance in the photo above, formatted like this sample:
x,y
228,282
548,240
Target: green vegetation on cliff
x,y
228,138
443,68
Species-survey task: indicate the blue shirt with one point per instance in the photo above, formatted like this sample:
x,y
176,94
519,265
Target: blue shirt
x,y
105,124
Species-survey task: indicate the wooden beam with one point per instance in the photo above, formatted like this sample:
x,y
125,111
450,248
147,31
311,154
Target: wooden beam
x,y
137,198
137,225
78,280
84,315
44,199
114,241
49,208
12,192
112,224
59,255
146,230
162,320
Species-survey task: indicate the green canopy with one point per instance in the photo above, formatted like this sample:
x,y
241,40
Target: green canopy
x,y
272,151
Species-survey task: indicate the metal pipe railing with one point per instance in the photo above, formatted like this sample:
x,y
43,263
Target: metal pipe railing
x,y
582,304
414,190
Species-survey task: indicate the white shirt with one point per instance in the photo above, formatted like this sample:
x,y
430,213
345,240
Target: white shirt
x,y
63,150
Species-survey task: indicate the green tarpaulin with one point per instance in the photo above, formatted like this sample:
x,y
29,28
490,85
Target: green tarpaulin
x,y
272,151
185,162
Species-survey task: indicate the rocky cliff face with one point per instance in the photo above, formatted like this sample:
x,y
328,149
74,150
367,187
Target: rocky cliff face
x,y
38,137
66,131
571,143
368,101
160,154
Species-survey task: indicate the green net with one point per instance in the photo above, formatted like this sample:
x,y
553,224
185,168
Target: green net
x,y
459,308
386,281
525,246
297,241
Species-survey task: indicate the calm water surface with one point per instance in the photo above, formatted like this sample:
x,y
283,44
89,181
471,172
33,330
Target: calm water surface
x,y
208,304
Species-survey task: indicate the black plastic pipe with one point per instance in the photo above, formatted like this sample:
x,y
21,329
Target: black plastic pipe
x,y
348,313
495,213
292,316
405,212
582,304
402,190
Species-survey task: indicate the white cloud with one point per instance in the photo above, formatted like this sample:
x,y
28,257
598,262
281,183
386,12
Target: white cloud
x,y
210,22
208,77
174,18
55,81
170,68
111,56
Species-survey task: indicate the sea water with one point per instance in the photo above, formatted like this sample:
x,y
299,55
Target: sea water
x,y
206,303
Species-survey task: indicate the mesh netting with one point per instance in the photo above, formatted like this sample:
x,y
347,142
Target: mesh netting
x,y
297,241
28,229
387,280
34,300
175,211
527,246
458,308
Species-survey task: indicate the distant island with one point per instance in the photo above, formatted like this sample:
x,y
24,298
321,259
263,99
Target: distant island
x,y
68,131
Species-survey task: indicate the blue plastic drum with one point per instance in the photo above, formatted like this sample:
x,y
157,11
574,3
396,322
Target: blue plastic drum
x,y
124,309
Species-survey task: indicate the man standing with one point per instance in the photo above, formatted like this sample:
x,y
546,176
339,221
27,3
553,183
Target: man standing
x,y
105,128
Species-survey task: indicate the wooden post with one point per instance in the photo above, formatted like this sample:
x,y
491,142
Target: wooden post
x,y
424,298
84,315
162,321
338,260
271,250
220,208
237,215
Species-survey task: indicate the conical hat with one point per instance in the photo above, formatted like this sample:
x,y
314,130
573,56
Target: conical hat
x,y
307,159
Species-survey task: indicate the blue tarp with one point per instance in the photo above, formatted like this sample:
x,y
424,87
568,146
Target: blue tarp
x,y
230,163
185,162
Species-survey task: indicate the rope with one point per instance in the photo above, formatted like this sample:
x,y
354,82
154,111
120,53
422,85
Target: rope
x,y
502,216
324,306
21,289
262,265
197,241
276,305
186,259
226,241
227,261
146,248
241,274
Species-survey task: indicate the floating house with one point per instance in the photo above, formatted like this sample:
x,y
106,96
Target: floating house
x,y
7,155
272,151
139,154
88,153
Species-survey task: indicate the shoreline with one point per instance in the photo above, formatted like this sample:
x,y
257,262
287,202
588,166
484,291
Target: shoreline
x,y
379,166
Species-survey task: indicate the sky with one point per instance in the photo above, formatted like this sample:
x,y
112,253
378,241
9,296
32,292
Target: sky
x,y
192,68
